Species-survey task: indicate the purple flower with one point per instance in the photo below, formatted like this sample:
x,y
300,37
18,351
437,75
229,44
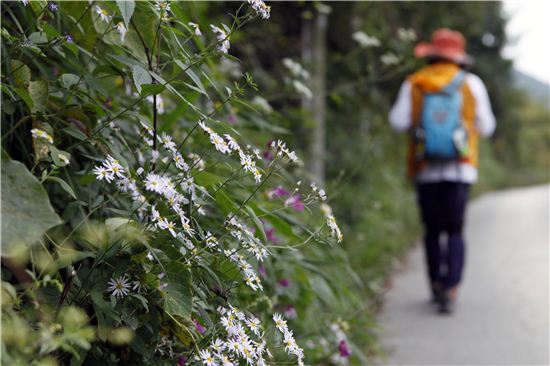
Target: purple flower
x,y
343,349
199,327
267,155
53,6
270,234
182,360
232,119
262,271
285,282
295,202
277,193
290,312
69,38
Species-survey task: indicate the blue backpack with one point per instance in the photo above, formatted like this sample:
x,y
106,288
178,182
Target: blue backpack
x,y
444,137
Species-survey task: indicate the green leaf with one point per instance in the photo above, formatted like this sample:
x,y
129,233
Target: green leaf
x,y
38,37
257,223
59,157
126,8
150,89
178,298
26,210
66,187
21,73
38,91
206,179
24,95
74,132
141,76
69,80
225,202
50,31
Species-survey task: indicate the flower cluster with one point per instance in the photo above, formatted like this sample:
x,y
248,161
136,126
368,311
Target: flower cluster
x,y
365,40
242,340
228,145
39,134
251,244
282,150
261,9
222,37
389,59
340,357
406,35
109,170
291,347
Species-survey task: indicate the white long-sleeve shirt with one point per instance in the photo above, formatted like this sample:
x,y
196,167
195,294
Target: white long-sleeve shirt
x,y
401,120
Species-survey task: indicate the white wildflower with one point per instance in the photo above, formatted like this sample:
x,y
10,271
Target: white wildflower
x,y
195,28
302,89
121,29
154,183
223,39
119,286
163,9
37,133
389,59
102,173
280,322
261,9
365,40
219,143
103,14
406,35
295,68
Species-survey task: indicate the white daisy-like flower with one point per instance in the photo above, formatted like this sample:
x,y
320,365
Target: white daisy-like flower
x,y
219,143
261,9
119,287
121,29
254,325
257,176
25,2
163,9
207,358
38,133
154,183
114,168
102,173
103,14
195,28
222,38
280,322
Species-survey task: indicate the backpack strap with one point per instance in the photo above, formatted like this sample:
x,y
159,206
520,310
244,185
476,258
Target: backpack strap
x,y
455,83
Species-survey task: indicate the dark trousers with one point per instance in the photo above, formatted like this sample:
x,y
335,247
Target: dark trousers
x,y
442,206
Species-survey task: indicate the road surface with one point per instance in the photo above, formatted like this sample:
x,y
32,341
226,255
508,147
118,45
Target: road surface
x,y
502,314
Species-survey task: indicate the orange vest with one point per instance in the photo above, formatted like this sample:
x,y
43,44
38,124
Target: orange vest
x,y
433,78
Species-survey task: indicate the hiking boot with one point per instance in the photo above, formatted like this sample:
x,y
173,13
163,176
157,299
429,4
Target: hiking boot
x,y
446,304
437,292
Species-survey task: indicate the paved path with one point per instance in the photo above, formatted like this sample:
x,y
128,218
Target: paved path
x,y
502,315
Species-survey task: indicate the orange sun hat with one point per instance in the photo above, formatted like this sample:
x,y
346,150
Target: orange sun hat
x,y
446,43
